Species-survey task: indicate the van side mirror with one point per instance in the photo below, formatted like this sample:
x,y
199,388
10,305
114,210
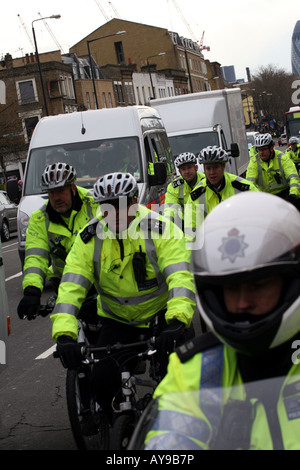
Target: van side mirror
x,y
234,150
160,174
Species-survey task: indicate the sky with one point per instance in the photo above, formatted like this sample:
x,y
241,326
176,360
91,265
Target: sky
x,y
248,33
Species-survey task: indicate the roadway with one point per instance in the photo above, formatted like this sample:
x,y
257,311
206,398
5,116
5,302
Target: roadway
x,y
33,414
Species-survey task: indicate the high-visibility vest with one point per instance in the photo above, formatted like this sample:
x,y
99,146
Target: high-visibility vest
x,y
50,237
192,401
99,258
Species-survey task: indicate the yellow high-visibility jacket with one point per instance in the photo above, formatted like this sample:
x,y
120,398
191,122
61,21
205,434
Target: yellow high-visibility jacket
x,y
275,176
99,258
178,192
49,238
295,156
204,198
189,414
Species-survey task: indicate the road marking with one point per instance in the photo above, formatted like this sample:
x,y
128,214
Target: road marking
x,y
47,353
4,246
15,275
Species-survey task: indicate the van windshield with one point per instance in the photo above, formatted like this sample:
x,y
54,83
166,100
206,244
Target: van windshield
x,y
90,159
192,142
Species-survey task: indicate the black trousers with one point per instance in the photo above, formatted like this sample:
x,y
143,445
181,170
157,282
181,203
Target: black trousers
x,y
107,373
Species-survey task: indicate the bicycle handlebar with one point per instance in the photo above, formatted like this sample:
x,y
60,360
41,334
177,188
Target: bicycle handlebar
x,y
85,350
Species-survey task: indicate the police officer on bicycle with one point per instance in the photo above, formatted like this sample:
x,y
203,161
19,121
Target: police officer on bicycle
x,y
137,260
51,232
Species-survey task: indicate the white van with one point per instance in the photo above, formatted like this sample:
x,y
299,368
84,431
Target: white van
x,y
4,318
130,139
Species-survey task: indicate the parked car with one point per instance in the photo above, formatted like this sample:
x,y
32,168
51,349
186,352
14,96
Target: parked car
x,y
8,216
282,140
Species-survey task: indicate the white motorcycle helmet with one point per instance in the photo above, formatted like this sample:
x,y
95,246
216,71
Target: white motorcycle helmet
x,y
247,237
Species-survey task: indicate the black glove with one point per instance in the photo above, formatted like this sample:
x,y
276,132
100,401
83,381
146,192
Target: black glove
x,y
29,305
69,352
171,335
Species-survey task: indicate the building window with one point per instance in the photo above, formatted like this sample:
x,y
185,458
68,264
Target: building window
x,y
29,121
119,92
26,91
110,100
30,124
138,95
88,100
94,98
104,100
120,52
129,92
66,87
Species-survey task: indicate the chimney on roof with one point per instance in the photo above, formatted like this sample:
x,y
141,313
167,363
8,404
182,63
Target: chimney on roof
x,y
8,61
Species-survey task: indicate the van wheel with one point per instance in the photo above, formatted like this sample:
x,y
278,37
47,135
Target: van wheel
x,y
5,235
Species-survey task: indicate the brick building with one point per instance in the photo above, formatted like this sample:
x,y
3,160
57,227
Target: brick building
x,y
183,61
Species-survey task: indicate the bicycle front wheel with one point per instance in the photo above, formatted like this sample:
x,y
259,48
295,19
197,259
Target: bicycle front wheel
x,y
89,424
122,431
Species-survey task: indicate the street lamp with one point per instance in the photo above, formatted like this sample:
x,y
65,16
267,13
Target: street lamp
x,y
90,59
56,17
148,65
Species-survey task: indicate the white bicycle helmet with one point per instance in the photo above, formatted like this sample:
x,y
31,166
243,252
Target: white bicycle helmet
x,y
183,158
115,185
262,140
58,175
249,236
213,154
293,140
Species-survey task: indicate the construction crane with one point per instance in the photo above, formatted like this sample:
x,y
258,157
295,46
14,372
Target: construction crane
x,y
190,29
51,33
115,10
201,43
185,22
102,10
26,31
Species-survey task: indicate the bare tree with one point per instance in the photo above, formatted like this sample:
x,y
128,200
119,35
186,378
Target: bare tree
x,y
271,88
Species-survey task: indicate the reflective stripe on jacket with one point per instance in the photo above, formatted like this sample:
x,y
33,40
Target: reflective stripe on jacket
x,y
48,241
192,397
108,262
275,176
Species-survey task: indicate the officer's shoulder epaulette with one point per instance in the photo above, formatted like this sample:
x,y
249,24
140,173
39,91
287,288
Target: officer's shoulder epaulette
x,y
195,345
89,231
240,185
197,192
178,181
